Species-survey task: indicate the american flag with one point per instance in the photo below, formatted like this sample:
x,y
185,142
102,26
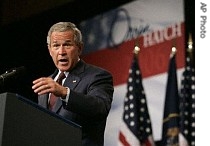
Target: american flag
x,y
187,101
170,129
136,127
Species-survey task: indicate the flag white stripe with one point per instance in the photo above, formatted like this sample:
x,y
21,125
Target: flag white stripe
x,y
182,140
130,137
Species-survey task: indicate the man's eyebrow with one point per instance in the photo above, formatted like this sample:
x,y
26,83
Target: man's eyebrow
x,y
66,41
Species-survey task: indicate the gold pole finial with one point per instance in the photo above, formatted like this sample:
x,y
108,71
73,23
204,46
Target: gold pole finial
x,y
190,49
136,48
190,43
173,51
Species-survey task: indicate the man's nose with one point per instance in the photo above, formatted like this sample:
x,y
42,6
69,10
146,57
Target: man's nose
x,y
62,49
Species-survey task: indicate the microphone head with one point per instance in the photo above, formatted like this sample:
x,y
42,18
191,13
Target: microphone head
x,y
15,73
20,71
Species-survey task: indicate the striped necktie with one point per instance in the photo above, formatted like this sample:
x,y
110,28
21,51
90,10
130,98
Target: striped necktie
x,y
53,98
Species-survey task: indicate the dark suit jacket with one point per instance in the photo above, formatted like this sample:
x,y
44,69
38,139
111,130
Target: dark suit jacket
x,y
91,94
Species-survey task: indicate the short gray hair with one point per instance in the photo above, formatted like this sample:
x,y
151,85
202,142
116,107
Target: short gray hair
x,y
66,26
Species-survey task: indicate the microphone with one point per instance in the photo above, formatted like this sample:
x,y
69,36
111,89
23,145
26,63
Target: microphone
x,y
12,74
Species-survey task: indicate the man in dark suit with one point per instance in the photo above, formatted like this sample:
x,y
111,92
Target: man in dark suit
x,y
86,92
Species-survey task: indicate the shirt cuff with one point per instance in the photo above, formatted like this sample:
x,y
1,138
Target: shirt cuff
x,y
67,96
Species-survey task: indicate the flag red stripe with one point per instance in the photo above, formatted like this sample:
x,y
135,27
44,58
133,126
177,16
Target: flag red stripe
x,y
147,143
123,139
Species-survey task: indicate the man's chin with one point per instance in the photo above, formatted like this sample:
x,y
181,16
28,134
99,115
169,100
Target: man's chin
x,y
63,67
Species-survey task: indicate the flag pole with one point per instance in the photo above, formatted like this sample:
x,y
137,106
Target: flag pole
x,y
136,126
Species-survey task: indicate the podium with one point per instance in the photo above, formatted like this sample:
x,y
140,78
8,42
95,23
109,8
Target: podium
x,y
23,122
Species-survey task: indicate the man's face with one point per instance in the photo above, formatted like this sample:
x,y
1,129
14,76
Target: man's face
x,y
63,50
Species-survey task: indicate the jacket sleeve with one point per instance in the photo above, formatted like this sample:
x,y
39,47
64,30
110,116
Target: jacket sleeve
x,y
93,95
